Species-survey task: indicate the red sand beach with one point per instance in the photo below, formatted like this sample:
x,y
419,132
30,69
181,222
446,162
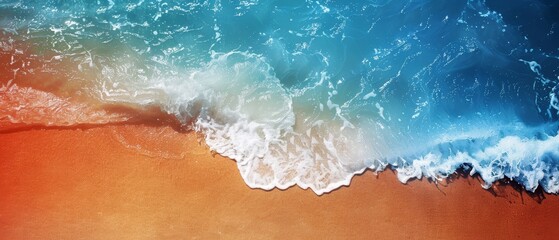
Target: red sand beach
x,y
151,182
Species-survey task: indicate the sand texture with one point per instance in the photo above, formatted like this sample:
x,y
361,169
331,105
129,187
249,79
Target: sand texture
x,y
152,182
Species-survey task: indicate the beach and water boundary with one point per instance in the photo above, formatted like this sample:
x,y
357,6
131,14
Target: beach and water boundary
x,y
275,119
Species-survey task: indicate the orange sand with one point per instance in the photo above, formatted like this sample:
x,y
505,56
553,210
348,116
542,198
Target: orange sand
x,y
85,184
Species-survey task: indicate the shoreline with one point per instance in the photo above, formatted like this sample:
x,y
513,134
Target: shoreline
x,y
95,183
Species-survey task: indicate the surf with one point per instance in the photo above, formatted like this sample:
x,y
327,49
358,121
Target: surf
x,y
302,93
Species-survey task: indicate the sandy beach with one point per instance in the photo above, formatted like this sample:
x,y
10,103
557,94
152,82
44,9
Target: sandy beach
x,y
152,182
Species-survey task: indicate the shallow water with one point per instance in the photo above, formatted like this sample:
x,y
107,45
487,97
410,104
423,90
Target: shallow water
x,y
310,92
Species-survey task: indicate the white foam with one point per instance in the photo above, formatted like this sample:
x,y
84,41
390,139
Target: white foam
x,y
245,114
280,139
531,162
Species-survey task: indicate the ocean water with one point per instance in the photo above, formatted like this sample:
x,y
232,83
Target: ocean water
x,y
306,93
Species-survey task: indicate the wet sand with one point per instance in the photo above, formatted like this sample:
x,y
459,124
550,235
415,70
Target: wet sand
x,y
151,182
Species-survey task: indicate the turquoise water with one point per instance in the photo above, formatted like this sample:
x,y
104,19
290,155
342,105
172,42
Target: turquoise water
x,y
314,92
